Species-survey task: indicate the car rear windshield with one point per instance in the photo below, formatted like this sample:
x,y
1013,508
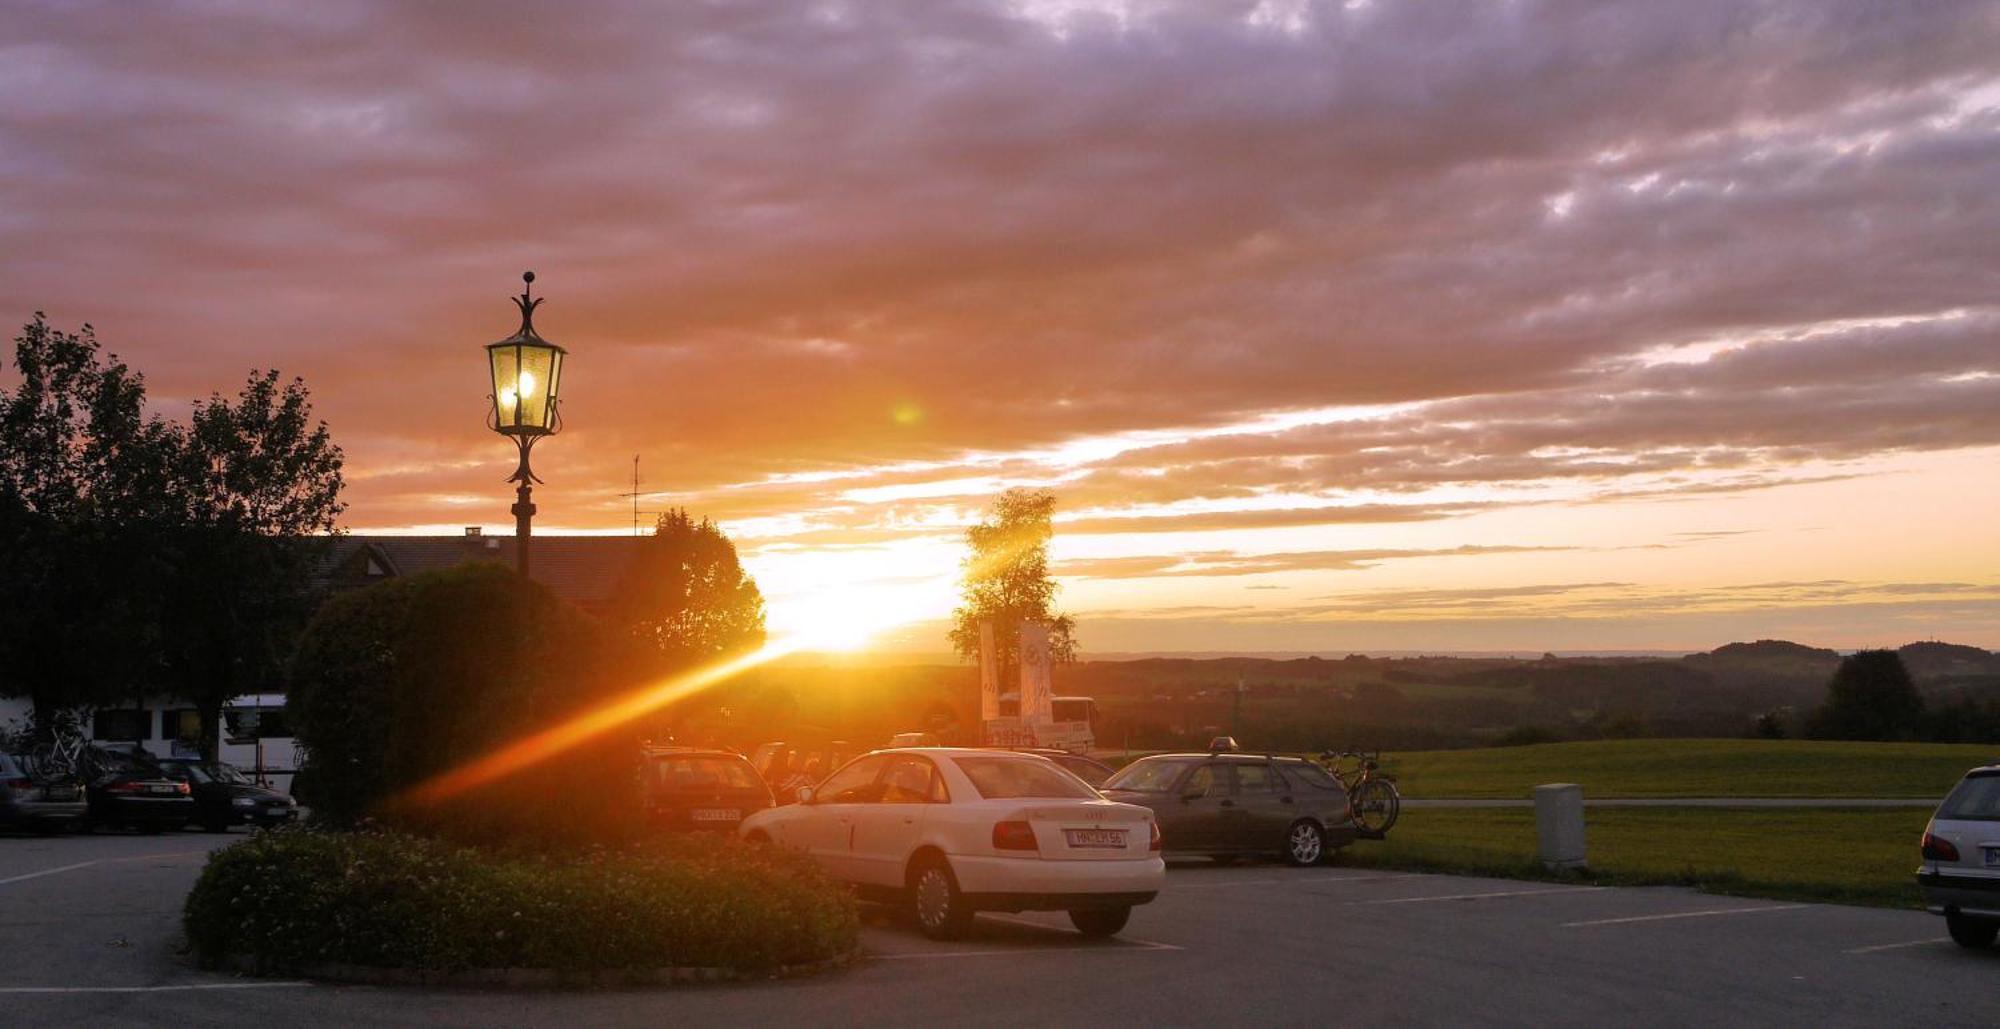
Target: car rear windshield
x,y
694,773
1149,775
1975,800
1003,778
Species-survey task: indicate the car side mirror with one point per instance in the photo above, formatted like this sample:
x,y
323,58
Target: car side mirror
x,y
805,794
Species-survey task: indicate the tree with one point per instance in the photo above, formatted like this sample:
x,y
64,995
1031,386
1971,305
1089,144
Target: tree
x,y
1006,581
83,475
1870,697
686,596
259,483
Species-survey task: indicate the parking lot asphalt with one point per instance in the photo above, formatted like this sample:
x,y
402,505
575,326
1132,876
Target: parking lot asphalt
x,y
89,931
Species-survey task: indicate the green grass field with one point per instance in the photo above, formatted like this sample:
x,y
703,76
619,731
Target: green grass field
x,y
1693,768
1844,855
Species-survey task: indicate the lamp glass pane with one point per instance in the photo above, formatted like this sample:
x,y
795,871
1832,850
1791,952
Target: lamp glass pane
x,y
506,368
537,379
555,383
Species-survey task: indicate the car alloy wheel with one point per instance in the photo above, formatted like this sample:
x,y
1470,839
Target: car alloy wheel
x,y
1304,844
940,909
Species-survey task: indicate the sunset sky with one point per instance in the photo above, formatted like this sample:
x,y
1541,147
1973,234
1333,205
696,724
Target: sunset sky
x,y
1334,326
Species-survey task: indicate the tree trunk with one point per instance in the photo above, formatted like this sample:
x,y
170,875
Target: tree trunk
x,y
211,727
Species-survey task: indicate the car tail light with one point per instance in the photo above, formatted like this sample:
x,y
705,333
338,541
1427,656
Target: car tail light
x,y
183,788
1154,843
1939,849
125,787
1014,836
21,784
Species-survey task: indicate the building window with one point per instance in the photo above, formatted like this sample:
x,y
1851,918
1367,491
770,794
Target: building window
x,y
121,725
250,723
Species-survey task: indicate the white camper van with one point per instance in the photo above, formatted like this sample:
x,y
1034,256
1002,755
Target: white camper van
x,y
254,737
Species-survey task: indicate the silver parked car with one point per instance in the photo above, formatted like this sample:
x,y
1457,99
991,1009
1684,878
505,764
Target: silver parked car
x,y
1961,871
43,802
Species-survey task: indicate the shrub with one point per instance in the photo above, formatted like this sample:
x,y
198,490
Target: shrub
x,y
290,899
412,677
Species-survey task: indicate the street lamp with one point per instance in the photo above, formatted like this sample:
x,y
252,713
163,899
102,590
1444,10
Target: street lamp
x,y
527,371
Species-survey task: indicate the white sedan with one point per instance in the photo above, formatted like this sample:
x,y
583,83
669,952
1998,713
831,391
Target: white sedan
x,y
955,831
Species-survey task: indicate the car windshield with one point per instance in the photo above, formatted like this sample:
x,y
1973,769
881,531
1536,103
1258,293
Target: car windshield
x,y
683,773
1149,775
1975,800
1004,778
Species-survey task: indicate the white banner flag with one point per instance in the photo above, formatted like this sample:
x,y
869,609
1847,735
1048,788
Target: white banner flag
x,y
1037,690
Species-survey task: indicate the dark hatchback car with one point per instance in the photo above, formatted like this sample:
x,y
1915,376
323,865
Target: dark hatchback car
x,y
224,796
134,792
691,789
1227,806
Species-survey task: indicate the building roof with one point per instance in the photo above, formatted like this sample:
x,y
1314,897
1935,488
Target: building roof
x,y
583,570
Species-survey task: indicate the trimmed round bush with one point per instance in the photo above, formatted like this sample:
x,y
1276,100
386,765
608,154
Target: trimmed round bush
x,y
410,678
293,899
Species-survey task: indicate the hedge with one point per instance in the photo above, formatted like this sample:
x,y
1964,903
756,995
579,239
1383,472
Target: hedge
x,y
288,900
411,677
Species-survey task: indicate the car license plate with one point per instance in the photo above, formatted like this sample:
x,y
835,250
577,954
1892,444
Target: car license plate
x,y
1095,839
161,789
718,814
60,793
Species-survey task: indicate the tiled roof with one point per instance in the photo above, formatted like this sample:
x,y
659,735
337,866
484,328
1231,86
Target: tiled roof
x,y
580,569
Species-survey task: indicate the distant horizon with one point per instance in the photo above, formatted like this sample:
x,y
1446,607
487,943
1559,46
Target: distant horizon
x,y
945,657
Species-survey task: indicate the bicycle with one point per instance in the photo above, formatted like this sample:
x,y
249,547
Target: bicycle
x,y
1372,798
61,755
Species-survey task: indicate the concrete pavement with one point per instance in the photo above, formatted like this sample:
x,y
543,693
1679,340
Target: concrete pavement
x,y
89,928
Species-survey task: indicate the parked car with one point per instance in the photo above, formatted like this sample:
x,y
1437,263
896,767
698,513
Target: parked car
x,y
951,832
33,800
225,796
1088,769
132,791
787,767
690,788
1226,806
1960,876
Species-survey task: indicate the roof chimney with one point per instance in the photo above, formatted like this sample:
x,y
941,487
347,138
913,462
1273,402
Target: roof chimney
x,y
472,530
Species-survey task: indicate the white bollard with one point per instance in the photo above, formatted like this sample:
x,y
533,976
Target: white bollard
x,y
1559,824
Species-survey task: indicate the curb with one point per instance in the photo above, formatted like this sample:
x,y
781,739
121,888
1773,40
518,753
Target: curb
x,y
538,978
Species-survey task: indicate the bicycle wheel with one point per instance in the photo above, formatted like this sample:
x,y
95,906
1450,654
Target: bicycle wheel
x,y
1376,804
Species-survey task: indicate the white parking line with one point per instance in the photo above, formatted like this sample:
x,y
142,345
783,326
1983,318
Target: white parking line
x,y
1479,896
1898,946
1299,879
1138,946
1032,924
151,989
47,871
104,861
1683,914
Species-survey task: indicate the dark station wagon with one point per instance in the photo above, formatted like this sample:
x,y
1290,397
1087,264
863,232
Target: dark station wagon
x,y
1226,805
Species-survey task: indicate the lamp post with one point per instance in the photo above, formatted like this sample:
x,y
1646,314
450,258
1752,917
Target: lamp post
x,y
527,372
